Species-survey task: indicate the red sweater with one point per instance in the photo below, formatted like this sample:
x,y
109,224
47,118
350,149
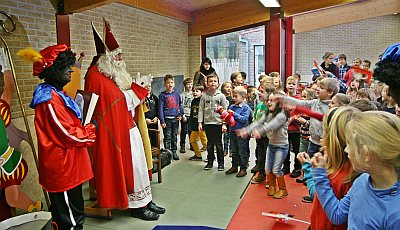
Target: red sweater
x,y
319,220
294,126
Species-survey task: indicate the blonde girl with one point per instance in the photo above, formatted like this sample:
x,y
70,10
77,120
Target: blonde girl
x,y
277,81
226,89
373,202
338,168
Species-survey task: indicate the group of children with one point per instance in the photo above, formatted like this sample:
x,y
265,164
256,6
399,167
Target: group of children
x,y
351,152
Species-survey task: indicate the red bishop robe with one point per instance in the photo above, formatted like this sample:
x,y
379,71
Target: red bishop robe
x,y
112,159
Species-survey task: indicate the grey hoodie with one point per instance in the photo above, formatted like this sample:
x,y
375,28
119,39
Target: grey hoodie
x,y
208,104
315,125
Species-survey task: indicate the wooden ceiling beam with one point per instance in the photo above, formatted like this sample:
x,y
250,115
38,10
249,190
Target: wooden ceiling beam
x,y
344,14
227,16
292,7
161,7
74,6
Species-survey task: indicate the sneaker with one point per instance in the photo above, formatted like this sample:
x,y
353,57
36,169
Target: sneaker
x,y
295,173
175,156
307,199
241,173
232,170
208,166
203,149
182,150
206,160
195,158
221,168
300,180
258,178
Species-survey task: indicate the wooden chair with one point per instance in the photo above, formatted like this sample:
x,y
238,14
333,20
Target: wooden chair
x,y
156,151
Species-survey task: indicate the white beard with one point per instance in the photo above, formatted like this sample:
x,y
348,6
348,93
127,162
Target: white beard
x,y
115,70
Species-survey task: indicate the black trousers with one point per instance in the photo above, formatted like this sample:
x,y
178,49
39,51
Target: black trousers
x,y
214,138
67,208
294,143
261,153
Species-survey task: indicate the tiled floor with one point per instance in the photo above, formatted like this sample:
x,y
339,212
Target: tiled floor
x,y
191,196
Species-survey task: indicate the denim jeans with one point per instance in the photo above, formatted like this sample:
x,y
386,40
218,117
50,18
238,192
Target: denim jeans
x,y
170,134
312,149
276,155
303,145
240,156
227,137
184,131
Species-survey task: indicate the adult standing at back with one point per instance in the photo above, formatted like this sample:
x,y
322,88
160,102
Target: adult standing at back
x,y
200,77
328,64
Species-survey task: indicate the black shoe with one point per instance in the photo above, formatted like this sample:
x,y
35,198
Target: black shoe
x,y
182,150
295,173
307,199
175,156
195,158
255,169
221,168
157,209
144,214
300,180
208,166
286,170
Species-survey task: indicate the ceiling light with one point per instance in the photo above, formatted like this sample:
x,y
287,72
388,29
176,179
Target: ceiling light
x,y
270,3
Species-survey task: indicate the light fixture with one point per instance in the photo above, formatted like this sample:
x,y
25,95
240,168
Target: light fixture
x,y
270,3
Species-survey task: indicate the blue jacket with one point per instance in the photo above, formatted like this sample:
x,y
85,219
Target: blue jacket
x,y
241,114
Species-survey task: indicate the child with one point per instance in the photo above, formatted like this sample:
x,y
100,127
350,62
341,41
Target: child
x,y
304,120
251,97
338,167
350,74
241,113
213,124
366,93
193,124
186,97
389,104
277,81
170,111
373,201
339,99
343,66
274,125
152,114
237,80
293,130
261,144
226,89
376,88
353,89
328,87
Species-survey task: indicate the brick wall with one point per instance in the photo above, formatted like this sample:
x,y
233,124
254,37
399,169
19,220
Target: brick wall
x,y
152,44
194,54
365,39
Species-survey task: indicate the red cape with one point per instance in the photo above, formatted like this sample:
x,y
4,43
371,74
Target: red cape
x,y
112,159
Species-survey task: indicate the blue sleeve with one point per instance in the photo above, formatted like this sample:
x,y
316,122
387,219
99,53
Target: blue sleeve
x,y
307,175
161,101
336,210
243,116
180,112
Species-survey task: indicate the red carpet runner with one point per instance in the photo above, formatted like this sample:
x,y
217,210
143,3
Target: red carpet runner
x,y
248,215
